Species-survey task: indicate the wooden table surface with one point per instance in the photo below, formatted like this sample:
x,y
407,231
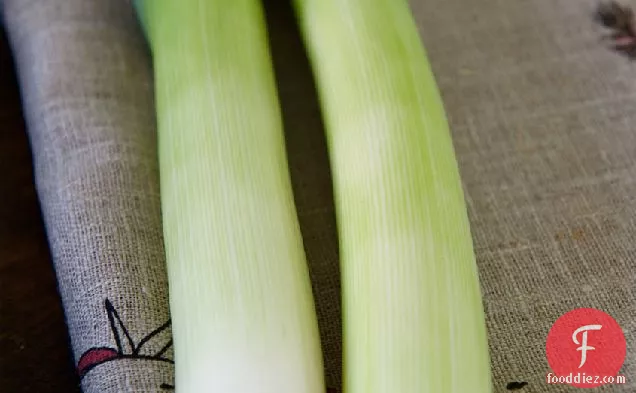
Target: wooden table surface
x,y
34,346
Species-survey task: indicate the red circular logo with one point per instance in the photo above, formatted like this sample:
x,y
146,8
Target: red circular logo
x,y
585,348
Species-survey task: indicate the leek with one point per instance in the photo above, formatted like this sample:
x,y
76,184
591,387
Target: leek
x,y
413,319
240,297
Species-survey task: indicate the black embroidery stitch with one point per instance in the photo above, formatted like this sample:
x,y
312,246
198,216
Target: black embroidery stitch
x,y
151,335
99,355
516,385
113,318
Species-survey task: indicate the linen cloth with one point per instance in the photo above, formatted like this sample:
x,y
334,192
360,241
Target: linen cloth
x,y
86,82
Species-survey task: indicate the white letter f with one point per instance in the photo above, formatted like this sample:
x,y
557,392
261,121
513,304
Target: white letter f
x,y
584,347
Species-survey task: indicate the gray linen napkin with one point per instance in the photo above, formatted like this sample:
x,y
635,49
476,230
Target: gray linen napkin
x,y
85,77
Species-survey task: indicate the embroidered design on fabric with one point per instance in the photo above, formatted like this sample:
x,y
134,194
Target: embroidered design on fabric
x,y
125,347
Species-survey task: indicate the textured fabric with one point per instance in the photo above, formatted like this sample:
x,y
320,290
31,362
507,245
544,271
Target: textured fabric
x,y
543,116
86,85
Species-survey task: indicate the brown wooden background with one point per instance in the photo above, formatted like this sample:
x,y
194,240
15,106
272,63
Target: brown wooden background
x,y
34,346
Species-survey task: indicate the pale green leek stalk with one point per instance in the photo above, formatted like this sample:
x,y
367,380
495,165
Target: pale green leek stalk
x,y
413,316
243,317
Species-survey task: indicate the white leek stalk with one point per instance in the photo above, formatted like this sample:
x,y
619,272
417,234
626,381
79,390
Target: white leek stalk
x,y
413,317
240,296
